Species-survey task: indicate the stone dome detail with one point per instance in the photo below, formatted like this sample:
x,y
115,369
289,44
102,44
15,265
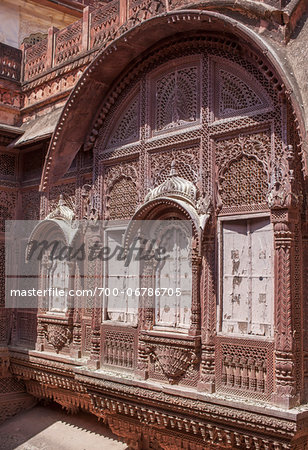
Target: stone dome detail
x,y
62,211
174,186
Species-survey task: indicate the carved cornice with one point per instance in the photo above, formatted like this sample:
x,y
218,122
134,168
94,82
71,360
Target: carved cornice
x,y
128,390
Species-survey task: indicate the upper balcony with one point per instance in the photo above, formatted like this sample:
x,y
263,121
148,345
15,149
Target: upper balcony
x,y
72,42
10,62
101,25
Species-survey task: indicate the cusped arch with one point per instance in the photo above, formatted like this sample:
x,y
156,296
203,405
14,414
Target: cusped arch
x,y
52,229
163,208
107,66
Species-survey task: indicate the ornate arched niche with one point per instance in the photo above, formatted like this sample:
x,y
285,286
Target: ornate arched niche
x,y
55,274
169,339
215,108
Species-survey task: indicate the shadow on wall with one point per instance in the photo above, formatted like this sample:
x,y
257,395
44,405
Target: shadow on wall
x,y
47,428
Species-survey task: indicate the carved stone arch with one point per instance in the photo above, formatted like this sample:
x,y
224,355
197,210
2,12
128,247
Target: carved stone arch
x,y
162,209
238,93
55,334
51,228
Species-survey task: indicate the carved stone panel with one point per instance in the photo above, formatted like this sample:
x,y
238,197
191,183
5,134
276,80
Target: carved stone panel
x,y
244,367
176,97
237,92
126,129
185,159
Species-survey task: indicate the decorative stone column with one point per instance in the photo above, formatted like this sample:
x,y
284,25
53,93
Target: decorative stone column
x,y
208,318
305,303
75,315
284,202
96,272
195,328
146,318
43,276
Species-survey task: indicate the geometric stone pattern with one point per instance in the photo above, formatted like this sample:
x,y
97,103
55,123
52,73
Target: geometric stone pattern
x,y
235,95
245,366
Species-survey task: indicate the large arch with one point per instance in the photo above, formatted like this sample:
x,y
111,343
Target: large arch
x,y
97,80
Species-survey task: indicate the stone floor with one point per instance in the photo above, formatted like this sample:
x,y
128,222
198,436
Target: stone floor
x,y
50,428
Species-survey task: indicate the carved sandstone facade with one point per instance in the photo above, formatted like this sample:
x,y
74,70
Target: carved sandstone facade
x,y
168,110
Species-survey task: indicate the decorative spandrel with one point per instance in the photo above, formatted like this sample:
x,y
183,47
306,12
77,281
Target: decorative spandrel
x,y
126,130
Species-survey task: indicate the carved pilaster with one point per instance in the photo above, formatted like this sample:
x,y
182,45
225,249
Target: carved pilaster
x,y
42,307
305,309
208,327
146,318
195,296
285,393
76,347
284,203
146,306
143,360
96,338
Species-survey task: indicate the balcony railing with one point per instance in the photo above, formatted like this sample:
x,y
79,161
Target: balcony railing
x,y
85,35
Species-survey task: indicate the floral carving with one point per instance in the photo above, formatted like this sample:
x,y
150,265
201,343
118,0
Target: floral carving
x,y
173,361
176,95
57,335
282,188
257,145
90,207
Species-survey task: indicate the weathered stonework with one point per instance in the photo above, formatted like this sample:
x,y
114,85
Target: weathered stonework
x,y
163,110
